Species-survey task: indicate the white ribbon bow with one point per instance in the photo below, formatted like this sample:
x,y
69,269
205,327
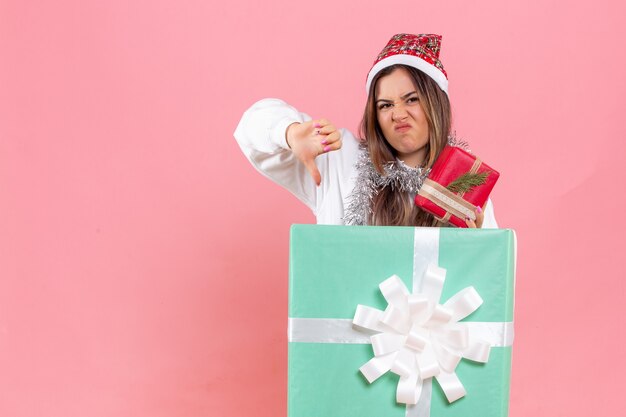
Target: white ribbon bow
x,y
417,338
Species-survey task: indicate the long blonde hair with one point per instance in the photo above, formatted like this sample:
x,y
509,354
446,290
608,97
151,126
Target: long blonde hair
x,y
391,207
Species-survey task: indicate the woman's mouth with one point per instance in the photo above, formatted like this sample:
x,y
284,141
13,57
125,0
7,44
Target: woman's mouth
x,y
402,128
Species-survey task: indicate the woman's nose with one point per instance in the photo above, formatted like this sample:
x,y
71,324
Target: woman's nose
x,y
399,113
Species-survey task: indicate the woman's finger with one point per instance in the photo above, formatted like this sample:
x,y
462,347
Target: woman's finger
x,y
478,223
320,123
470,223
327,129
332,138
312,168
332,146
480,216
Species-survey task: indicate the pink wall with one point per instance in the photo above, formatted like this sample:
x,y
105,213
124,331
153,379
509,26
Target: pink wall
x,y
143,262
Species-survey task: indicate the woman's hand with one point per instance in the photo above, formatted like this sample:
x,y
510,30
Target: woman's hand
x,y
480,216
310,139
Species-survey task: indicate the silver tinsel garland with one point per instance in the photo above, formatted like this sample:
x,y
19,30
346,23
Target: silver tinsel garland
x,y
369,182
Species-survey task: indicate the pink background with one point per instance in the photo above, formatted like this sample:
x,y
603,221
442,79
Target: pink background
x,y
143,261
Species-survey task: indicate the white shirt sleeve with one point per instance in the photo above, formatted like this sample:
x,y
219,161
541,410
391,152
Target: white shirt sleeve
x,y
261,136
490,219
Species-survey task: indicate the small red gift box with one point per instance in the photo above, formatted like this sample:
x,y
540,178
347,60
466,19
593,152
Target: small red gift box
x,y
458,182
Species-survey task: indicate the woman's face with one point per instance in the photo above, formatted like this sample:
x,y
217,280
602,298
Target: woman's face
x,y
401,117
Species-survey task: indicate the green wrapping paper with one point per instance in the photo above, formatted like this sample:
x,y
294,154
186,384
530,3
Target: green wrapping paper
x,y
335,268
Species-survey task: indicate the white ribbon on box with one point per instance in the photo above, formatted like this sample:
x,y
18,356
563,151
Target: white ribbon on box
x,y
415,337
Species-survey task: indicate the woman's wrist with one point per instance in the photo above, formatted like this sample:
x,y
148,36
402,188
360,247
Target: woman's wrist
x,y
287,133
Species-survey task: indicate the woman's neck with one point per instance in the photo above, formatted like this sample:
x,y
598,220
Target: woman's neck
x,y
412,161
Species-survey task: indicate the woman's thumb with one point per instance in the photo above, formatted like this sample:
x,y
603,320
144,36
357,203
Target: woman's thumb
x,y
315,173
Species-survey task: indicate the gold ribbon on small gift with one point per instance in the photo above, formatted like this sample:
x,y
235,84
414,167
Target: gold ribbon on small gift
x,y
452,203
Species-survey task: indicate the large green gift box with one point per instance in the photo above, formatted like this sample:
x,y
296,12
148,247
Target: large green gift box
x,y
335,268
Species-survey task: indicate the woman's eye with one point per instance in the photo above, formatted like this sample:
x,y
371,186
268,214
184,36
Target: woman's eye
x,y
413,99
384,106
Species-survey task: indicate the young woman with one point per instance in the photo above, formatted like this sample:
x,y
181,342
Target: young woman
x,y
406,123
